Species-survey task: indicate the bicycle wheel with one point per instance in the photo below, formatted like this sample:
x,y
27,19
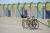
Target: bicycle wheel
x,y
36,24
24,24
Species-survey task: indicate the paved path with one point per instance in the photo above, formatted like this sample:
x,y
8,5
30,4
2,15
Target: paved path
x,y
13,25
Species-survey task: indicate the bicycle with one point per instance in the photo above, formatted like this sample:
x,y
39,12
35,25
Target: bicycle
x,y
30,23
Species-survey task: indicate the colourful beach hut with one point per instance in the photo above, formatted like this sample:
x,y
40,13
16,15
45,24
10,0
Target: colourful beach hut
x,y
13,10
9,10
48,10
40,9
32,9
5,9
18,10
1,10
28,11
25,10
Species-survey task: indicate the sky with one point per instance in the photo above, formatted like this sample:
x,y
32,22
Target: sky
x,y
21,1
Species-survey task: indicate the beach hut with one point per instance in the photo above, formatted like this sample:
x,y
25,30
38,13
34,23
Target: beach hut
x,y
18,10
1,10
13,13
9,10
32,9
5,9
40,10
48,10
